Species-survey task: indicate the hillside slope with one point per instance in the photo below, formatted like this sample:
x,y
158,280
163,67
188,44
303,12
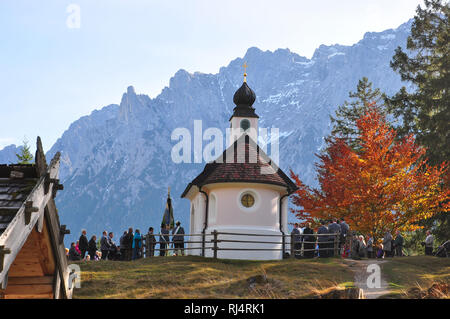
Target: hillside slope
x,y
197,277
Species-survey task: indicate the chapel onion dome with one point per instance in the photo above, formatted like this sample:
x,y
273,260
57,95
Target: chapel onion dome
x,y
244,96
244,99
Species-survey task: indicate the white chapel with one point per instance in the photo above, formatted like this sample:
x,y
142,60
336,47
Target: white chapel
x,y
241,192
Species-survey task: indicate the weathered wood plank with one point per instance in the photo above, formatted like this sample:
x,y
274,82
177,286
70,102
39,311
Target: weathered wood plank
x,y
39,280
26,269
46,256
39,159
36,296
16,174
57,286
58,248
29,291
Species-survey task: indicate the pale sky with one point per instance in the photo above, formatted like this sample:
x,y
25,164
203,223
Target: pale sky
x,y
50,74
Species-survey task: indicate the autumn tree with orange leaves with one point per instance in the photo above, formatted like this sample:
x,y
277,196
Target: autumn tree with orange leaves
x,y
385,185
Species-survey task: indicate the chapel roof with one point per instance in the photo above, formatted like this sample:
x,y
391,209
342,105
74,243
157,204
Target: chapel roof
x,y
244,161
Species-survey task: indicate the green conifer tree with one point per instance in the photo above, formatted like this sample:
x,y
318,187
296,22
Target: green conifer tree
x,y
25,156
425,111
344,122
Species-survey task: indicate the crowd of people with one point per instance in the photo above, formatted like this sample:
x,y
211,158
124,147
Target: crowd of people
x,y
327,241
131,244
335,237
367,248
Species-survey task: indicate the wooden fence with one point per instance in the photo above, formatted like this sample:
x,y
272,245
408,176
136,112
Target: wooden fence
x,y
296,246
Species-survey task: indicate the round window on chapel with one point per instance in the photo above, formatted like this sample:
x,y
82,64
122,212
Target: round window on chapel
x,y
247,200
245,124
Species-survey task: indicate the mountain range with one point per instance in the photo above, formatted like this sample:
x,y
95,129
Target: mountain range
x,y
116,162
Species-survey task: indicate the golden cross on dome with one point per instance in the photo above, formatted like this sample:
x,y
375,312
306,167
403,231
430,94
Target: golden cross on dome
x,y
245,71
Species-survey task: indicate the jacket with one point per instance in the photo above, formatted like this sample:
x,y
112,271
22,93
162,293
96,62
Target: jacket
x,y
387,242
128,241
370,244
398,241
165,238
307,236
177,232
104,243
296,235
92,246
112,244
429,241
137,240
83,243
73,254
151,240
344,228
334,229
322,230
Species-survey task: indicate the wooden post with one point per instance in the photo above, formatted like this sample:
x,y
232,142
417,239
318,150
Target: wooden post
x,y
144,246
3,252
28,210
62,232
215,243
336,245
57,187
46,183
39,159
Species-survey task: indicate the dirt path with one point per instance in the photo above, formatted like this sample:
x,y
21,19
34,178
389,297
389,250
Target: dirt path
x,y
359,267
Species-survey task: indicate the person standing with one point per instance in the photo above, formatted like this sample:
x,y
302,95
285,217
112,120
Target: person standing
x,y
137,245
150,243
296,241
112,255
104,245
387,244
323,240
164,239
309,241
370,248
92,247
83,243
398,244
178,239
362,252
429,241
128,243
334,228
354,245
344,228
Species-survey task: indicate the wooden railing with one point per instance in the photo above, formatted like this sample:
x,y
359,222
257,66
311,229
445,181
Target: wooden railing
x,y
214,239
